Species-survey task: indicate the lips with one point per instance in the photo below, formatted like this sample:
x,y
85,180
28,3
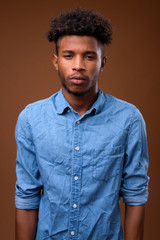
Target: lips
x,y
78,79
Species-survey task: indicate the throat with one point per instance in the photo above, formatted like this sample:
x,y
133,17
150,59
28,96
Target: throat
x,y
81,104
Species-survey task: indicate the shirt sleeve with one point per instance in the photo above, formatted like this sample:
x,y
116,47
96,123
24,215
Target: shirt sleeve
x,y
134,188
28,184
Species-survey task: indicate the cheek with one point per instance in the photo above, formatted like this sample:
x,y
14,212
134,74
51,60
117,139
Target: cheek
x,y
62,71
95,70
64,68
95,66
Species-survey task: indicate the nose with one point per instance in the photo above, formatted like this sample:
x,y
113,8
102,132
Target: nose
x,y
78,64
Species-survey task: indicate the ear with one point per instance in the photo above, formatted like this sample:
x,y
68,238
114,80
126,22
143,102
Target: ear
x,y
55,61
103,64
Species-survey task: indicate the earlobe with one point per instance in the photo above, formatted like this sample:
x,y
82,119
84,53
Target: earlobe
x,y
55,61
104,61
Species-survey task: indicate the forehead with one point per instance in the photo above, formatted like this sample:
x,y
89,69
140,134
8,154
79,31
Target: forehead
x,y
79,43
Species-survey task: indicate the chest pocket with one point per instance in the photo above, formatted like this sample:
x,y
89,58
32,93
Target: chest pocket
x,y
106,162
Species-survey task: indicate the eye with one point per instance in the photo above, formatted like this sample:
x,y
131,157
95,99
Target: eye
x,y
67,56
90,57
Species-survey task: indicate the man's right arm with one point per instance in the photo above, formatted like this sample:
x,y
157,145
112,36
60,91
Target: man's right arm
x,y
28,184
26,224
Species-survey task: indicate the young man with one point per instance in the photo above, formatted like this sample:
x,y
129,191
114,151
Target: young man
x,y
80,150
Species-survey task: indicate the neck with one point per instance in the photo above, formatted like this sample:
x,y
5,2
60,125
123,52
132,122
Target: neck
x,y
81,104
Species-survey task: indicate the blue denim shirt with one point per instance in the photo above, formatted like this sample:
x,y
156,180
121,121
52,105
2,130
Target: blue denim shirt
x,y
83,164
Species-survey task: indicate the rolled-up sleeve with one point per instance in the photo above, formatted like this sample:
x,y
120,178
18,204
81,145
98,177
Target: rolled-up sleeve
x,y
134,188
28,184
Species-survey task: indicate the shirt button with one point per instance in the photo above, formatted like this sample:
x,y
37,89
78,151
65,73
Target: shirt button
x,y
75,205
77,148
76,178
78,122
68,110
72,233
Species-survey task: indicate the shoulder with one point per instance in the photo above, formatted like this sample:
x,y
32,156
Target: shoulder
x,y
122,106
37,107
122,113
34,111
40,104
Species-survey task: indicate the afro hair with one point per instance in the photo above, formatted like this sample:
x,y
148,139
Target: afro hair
x,y
82,22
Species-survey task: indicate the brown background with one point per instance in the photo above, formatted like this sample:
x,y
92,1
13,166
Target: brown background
x,y
27,75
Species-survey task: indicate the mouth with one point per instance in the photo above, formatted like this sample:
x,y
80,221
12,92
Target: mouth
x,y
77,80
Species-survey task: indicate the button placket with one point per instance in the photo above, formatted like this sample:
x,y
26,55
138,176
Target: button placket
x,y
76,181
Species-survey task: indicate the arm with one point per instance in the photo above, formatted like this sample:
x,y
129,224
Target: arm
x,y
134,188
28,184
134,222
26,224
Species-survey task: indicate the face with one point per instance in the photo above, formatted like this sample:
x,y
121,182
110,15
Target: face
x,y
79,63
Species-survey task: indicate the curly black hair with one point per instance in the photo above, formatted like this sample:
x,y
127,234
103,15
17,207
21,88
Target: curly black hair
x,y
82,22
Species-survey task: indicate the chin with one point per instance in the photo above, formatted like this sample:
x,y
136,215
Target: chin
x,y
76,92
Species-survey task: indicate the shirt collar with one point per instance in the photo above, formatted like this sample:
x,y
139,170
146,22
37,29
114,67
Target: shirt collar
x,y
98,104
62,104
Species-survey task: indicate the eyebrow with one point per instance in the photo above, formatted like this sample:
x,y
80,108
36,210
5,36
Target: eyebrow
x,y
67,51
91,52
87,52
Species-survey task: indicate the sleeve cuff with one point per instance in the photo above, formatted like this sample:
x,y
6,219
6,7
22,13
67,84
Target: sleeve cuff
x,y
136,199
27,203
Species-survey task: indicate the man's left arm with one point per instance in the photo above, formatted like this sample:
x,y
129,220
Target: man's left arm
x,y
134,187
134,222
